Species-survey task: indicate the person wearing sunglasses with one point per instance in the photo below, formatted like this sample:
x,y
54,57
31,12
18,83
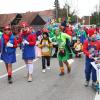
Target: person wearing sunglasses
x,y
8,50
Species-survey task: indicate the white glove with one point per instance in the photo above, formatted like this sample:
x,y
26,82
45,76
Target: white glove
x,y
55,43
25,42
9,44
90,56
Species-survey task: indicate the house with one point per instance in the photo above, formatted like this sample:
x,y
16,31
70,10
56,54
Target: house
x,y
32,18
9,19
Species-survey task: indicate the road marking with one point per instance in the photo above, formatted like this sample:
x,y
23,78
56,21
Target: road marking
x,y
17,69
97,97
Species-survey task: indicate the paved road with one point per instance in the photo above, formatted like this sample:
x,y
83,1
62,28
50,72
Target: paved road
x,y
46,86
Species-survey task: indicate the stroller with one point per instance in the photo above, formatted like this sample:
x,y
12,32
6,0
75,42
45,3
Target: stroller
x,y
96,65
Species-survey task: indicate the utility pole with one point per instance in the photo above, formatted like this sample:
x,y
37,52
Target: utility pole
x,y
90,13
56,3
67,8
77,11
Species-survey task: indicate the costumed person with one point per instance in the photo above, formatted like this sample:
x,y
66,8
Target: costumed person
x,y
68,30
0,39
78,48
89,47
39,37
63,52
8,50
28,40
51,29
83,35
97,34
45,45
55,45
63,23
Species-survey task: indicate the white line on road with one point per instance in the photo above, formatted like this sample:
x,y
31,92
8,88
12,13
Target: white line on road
x,y
97,97
16,69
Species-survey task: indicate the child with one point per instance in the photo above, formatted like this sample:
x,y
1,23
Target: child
x,y
45,45
78,48
8,50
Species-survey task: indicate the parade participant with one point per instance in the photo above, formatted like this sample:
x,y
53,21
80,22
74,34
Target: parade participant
x,y
83,35
52,38
78,48
37,49
91,30
80,33
97,34
63,23
28,40
8,50
63,52
45,45
89,47
68,30
0,39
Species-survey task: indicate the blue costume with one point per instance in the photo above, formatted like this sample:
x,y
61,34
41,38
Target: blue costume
x,y
28,51
8,54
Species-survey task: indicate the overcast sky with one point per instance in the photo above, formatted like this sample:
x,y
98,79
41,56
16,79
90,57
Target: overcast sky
x,y
83,7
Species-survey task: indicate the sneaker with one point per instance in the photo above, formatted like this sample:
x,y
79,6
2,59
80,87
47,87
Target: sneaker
x,y
10,80
43,70
30,78
86,84
94,84
48,67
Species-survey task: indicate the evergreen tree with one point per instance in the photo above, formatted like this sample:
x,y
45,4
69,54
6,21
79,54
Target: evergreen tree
x,y
95,18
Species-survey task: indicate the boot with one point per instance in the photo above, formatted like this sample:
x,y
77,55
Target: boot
x,y
68,67
61,71
30,78
10,80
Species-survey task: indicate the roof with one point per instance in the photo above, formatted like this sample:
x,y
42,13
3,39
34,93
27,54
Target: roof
x,y
28,17
47,13
6,19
